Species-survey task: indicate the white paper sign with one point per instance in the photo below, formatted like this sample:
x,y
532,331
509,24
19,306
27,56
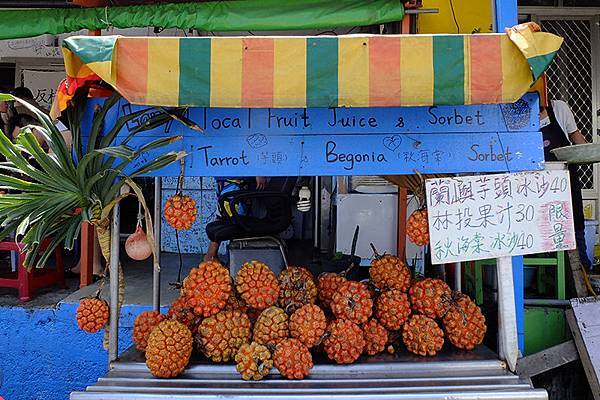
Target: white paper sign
x,y
490,216
43,85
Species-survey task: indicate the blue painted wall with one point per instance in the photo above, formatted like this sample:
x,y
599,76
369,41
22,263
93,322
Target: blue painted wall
x,y
194,240
44,355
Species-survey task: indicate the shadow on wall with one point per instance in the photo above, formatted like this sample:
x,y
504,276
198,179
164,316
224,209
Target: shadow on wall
x,y
44,355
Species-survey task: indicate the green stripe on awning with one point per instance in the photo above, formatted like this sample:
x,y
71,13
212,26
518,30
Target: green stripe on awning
x,y
449,69
321,72
194,72
539,64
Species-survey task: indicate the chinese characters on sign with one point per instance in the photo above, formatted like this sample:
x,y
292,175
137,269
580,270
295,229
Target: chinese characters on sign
x,y
42,84
490,216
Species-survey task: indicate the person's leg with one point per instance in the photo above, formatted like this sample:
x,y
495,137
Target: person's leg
x,y
582,248
578,218
213,252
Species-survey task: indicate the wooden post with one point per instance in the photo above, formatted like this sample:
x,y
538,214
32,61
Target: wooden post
x,y
86,260
508,341
406,24
402,211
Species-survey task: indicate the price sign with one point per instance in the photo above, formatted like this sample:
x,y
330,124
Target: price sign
x,y
490,216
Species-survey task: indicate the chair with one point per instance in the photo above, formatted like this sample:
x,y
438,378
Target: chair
x,y
28,281
270,214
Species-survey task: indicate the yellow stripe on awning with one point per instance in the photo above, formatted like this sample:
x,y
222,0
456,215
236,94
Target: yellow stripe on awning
x,y
353,73
163,78
226,73
289,86
416,70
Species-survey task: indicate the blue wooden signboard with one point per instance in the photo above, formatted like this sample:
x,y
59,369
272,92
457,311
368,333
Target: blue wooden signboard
x,y
349,141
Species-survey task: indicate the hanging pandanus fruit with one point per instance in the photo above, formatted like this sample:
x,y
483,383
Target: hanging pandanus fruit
x,y
92,314
417,226
180,211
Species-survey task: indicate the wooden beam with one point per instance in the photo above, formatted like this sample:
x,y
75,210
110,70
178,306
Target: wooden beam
x,y
577,273
402,211
86,261
584,354
547,359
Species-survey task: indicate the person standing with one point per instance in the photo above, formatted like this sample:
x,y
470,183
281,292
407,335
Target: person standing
x,y
559,129
226,185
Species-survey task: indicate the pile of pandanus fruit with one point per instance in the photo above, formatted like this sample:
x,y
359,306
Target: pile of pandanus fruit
x,y
262,321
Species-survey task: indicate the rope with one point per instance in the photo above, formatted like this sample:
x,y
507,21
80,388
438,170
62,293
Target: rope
x,y
179,192
105,20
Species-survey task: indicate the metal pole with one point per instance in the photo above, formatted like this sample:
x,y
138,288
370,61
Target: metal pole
x,y
157,221
317,227
508,341
458,277
547,302
113,342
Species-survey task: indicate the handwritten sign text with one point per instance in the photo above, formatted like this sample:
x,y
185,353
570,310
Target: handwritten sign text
x,y
490,216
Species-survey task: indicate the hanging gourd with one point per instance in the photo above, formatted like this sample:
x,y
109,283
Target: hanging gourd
x,y
137,246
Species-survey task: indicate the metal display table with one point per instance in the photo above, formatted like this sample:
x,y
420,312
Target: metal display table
x,y
450,375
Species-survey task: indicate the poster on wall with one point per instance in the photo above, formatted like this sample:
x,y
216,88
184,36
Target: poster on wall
x,y
490,216
42,84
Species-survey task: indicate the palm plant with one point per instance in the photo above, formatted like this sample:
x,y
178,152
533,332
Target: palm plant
x,y
67,187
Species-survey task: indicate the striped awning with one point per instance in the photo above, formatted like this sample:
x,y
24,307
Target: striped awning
x,y
353,71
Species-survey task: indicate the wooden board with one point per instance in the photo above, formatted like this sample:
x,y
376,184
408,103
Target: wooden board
x,y
584,321
346,141
547,359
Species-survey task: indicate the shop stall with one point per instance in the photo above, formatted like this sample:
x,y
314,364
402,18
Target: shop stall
x,y
340,106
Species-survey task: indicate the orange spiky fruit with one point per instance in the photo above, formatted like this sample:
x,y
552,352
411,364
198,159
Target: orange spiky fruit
x,y
143,325
180,212
422,335
253,361
353,302
271,327
464,323
207,288
220,336
344,341
392,309
257,285
292,359
430,297
235,303
92,314
297,288
327,284
376,337
181,311
417,227
308,324
389,273
169,349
